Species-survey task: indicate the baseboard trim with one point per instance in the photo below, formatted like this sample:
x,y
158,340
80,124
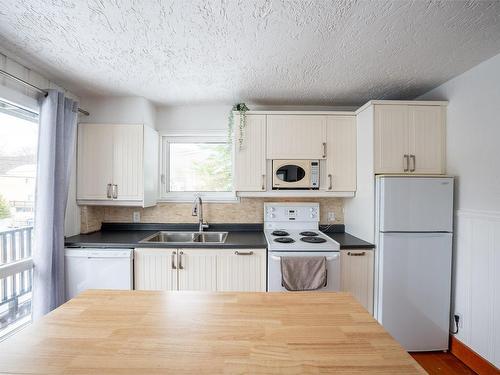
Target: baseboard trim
x,y
471,358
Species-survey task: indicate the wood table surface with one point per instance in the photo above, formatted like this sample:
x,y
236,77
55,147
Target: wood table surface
x,y
146,332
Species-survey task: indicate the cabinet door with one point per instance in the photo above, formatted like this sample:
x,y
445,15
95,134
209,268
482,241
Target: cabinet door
x,y
391,138
427,139
128,162
296,136
356,275
241,270
250,155
155,269
197,269
95,161
341,153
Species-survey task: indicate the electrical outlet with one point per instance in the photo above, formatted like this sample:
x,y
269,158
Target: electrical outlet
x,y
136,217
331,216
460,320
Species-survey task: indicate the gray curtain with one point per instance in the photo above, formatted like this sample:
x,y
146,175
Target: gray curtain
x,y
56,140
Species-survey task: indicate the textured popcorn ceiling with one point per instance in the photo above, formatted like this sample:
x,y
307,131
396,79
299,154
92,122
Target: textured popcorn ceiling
x,y
261,51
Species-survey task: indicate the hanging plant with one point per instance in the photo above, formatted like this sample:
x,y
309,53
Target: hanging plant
x,y
241,108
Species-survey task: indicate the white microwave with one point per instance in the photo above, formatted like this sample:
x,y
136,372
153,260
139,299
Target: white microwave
x,y
295,174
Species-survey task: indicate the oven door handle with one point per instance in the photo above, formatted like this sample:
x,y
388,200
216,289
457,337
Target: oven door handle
x,y
336,256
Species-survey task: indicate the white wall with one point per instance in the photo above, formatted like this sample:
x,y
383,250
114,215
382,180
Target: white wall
x,y
211,118
19,93
473,155
119,109
186,119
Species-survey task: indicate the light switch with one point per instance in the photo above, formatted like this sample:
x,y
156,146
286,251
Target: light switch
x,y
331,216
136,217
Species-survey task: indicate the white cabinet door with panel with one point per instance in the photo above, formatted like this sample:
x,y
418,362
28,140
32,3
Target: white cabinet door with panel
x,y
391,139
128,162
95,162
155,269
341,153
296,137
241,270
356,275
250,155
197,269
117,165
427,139
409,139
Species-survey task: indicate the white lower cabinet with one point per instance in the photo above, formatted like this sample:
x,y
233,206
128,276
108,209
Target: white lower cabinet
x,y
356,275
242,270
197,269
200,269
154,269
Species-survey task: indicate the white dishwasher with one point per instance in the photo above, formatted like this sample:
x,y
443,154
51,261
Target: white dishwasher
x,y
87,268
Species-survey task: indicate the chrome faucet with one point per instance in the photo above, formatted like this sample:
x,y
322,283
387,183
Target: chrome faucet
x,y
198,211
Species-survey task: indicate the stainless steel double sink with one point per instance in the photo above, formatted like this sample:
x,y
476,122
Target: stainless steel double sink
x,y
186,237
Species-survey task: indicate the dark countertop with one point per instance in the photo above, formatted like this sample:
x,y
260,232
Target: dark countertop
x,y
348,241
240,236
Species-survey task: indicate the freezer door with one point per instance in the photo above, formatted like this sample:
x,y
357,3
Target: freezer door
x,y
414,288
415,204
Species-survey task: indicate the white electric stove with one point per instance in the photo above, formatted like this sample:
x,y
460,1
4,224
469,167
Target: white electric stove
x,y
292,229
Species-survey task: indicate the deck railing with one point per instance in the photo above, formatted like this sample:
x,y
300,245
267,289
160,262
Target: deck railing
x,y
16,278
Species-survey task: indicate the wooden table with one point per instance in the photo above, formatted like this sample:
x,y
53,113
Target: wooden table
x,y
137,332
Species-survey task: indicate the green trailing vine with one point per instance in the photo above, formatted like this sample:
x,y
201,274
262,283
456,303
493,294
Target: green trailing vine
x,y
241,108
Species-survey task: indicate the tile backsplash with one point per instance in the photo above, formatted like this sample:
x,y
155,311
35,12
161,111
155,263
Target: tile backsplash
x,y
248,210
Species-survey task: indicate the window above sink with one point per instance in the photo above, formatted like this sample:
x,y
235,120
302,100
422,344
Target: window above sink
x,y
197,165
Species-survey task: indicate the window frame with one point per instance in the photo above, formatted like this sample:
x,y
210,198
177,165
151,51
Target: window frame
x,y
164,181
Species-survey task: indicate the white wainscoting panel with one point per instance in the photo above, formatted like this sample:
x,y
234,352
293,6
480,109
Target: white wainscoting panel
x,y
476,283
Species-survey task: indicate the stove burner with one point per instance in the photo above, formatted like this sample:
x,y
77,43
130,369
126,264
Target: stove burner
x,y
280,233
313,239
284,240
309,234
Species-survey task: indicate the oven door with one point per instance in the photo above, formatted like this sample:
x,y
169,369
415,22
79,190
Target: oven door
x,y
291,174
274,269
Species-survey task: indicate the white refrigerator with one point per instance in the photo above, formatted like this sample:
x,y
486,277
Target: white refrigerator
x,y
414,230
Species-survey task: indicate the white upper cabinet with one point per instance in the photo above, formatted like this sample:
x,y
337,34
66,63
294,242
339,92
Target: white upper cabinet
x,y
95,161
409,138
296,136
391,138
427,139
117,165
250,155
341,153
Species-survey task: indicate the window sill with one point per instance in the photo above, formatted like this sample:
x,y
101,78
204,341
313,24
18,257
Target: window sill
x,y
189,197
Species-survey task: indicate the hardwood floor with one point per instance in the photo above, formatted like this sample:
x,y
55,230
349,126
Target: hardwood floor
x,y
441,363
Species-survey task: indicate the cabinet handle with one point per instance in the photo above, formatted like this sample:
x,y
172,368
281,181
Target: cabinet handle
x,y
330,187
324,150
243,253
414,165
356,254
181,267
115,191
406,162
263,182
173,261
108,191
